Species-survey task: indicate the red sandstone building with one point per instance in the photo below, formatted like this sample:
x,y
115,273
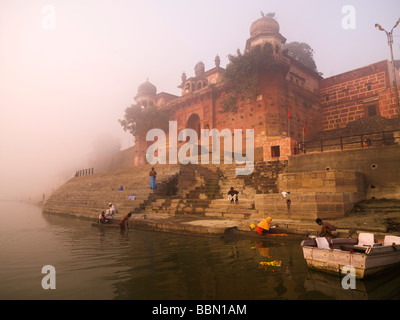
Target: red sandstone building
x,y
294,104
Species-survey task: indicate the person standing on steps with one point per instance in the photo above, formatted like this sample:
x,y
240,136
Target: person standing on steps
x,y
152,175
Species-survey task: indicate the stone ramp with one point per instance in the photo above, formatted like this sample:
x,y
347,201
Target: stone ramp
x,y
214,226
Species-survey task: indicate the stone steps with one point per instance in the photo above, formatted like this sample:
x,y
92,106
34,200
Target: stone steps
x,y
89,195
379,206
181,190
222,208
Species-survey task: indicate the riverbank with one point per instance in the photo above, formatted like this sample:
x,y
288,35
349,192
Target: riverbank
x,y
380,224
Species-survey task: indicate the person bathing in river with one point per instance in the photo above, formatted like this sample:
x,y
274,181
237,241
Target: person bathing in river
x,y
124,222
102,218
263,226
327,229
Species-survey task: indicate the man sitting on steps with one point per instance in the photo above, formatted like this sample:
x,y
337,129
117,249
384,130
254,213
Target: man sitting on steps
x,y
233,195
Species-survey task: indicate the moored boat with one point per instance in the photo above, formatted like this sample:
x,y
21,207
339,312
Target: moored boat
x,y
366,255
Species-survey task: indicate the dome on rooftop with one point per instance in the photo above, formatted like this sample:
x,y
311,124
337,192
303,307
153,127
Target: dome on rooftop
x,y
147,88
199,69
264,25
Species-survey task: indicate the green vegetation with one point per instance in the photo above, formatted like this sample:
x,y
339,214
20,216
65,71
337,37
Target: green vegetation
x,y
242,75
301,52
139,120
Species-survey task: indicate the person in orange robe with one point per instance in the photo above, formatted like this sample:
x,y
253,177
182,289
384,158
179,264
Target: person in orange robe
x,y
263,226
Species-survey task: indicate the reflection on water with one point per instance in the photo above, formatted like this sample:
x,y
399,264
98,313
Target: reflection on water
x,y
319,285
94,263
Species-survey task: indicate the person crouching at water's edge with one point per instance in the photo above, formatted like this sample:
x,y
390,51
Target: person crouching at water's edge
x,y
102,218
263,226
152,175
327,229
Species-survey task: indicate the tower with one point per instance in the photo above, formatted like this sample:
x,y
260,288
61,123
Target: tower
x,y
146,95
266,31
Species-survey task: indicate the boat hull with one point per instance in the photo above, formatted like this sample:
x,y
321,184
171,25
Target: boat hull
x,y
367,264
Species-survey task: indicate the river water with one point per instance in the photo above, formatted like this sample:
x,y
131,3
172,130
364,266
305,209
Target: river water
x,y
91,263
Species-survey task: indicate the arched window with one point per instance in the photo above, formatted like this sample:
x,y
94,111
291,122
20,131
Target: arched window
x,y
187,87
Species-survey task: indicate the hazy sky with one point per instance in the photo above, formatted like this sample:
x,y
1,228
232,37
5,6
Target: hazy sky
x,y
69,68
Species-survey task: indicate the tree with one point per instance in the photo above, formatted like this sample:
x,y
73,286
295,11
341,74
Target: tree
x,y
242,74
138,121
301,52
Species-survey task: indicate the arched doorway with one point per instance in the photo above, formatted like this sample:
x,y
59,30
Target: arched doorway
x,y
194,123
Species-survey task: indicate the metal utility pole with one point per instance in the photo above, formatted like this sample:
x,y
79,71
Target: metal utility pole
x,y
390,42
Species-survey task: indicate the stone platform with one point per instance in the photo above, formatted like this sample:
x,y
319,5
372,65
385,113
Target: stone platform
x,y
219,227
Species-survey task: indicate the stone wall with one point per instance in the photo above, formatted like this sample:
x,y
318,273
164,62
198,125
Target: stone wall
x,y
364,126
315,194
323,181
380,167
285,146
357,94
304,206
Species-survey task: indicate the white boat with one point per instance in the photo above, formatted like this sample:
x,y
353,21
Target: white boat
x,y
365,254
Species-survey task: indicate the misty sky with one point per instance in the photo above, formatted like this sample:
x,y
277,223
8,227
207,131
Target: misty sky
x,y
62,87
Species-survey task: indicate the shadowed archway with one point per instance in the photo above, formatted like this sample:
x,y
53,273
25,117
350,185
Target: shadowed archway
x,y
194,123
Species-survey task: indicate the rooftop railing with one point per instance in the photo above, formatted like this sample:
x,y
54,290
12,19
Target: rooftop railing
x,y
377,139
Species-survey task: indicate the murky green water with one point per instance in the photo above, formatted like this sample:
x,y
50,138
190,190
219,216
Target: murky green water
x,y
91,263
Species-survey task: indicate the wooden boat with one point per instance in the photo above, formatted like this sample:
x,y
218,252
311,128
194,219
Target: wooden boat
x,y
365,254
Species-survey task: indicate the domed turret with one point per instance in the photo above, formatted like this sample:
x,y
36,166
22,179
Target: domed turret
x,y
147,89
264,25
266,31
199,69
146,95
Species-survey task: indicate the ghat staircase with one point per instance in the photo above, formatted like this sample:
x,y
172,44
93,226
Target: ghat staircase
x,y
87,196
195,190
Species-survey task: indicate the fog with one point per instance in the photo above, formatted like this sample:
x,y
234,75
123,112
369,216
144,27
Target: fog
x,y
67,76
